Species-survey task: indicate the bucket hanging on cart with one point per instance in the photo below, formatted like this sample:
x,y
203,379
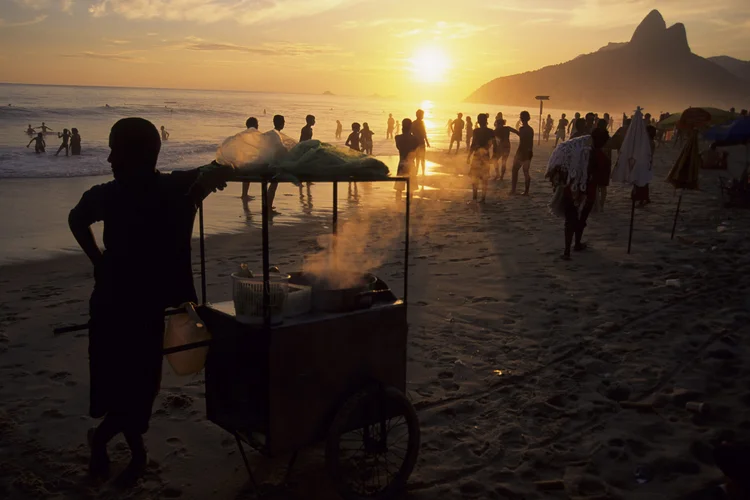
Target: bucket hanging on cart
x,y
182,329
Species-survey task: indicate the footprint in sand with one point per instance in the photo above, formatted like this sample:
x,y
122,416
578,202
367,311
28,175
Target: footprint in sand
x,y
59,376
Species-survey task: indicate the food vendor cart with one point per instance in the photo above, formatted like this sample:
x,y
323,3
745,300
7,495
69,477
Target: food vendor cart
x,y
335,376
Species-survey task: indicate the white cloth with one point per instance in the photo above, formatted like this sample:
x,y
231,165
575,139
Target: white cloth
x,y
572,158
251,149
634,158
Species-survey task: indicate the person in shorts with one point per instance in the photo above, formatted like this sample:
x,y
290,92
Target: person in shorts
x,y
457,132
501,151
407,146
524,153
482,141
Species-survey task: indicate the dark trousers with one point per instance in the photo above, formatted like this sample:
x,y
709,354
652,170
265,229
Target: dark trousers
x,y
575,221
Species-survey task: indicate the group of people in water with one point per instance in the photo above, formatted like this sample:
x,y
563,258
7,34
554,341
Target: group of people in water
x,y
71,140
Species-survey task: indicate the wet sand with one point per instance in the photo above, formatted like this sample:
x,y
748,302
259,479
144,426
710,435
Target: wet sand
x,y
518,361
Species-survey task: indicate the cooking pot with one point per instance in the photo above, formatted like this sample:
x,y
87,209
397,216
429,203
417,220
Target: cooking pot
x,y
328,299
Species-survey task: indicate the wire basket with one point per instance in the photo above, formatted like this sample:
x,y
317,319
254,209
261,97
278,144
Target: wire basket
x,y
248,298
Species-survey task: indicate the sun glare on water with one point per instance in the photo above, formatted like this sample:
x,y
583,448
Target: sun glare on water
x,y
429,65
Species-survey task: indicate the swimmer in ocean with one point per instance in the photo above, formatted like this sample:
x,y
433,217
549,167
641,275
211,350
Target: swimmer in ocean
x,y
40,145
30,130
65,136
44,128
164,134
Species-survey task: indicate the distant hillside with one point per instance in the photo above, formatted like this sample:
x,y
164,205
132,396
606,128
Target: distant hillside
x,y
655,70
737,67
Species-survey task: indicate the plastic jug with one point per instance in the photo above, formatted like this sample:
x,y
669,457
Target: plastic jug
x,y
186,328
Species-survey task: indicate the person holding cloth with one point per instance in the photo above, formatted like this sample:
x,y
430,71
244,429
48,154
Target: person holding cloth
x,y
145,267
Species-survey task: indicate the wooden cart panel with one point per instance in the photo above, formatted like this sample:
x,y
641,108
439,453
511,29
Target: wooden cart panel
x,y
289,381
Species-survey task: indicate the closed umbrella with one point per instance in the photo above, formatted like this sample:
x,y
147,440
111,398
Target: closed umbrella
x,y
685,172
634,162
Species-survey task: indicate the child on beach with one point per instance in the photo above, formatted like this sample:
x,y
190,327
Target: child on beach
x,y
164,134
40,145
145,267
353,140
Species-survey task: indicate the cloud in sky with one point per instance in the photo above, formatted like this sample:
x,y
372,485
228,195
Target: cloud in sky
x,y
63,5
36,20
420,27
211,11
266,49
122,57
117,42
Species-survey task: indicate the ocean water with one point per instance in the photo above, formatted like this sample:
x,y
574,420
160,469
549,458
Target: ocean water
x,y
40,189
197,121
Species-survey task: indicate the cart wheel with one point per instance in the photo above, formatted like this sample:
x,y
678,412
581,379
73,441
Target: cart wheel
x,y
373,444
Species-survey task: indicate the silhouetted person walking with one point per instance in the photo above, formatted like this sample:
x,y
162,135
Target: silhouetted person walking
x,y
65,135
75,143
562,127
419,131
391,124
339,129
457,132
501,151
407,146
479,157
278,126
524,153
366,139
251,124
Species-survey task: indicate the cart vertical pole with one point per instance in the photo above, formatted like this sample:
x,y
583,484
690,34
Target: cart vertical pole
x,y
335,207
264,235
677,212
406,244
630,234
203,252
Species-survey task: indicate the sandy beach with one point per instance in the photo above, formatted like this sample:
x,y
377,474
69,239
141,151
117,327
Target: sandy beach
x,y
518,361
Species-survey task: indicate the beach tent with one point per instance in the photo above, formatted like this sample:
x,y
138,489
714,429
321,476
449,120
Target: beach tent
x,y
717,117
634,162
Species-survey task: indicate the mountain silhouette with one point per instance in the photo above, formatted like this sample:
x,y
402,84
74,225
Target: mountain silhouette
x,y
737,67
655,70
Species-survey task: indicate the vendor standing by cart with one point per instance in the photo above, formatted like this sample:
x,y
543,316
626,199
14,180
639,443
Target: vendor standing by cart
x,y
145,268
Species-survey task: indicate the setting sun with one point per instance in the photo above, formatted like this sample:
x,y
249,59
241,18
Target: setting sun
x,y
429,65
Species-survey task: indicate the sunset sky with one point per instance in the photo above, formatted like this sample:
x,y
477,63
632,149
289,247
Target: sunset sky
x,y
357,47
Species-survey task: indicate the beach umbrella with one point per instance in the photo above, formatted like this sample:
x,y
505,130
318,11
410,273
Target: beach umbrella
x,y
716,117
685,172
634,161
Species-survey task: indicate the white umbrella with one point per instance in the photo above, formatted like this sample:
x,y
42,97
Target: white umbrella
x,y
634,161
634,158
